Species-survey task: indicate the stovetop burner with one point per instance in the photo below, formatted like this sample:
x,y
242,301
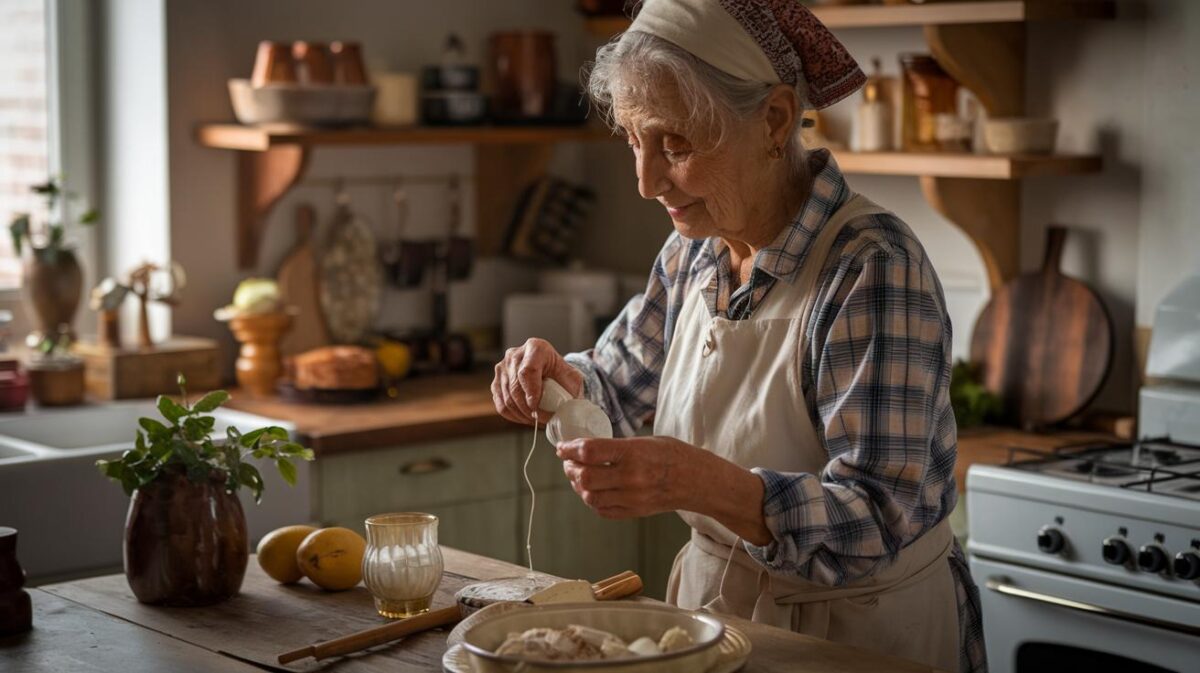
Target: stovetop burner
x,y
1153,465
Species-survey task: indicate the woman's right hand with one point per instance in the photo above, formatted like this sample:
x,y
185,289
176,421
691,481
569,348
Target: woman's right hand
x,y
517,386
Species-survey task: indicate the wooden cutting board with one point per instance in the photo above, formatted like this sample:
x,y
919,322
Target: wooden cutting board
x,y
1045,342
299,285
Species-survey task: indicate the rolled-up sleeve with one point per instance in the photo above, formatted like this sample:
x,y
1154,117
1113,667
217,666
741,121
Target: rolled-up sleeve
x,y
879,370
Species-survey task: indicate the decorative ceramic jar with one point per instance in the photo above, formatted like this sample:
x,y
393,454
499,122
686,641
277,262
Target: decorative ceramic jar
x,y
53,286
185,542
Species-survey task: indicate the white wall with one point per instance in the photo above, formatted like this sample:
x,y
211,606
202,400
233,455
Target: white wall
x,y
1169,231
134,153
1124,88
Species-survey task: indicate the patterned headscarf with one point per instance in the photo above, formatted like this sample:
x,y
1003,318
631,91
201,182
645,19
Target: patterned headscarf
x,y
771,41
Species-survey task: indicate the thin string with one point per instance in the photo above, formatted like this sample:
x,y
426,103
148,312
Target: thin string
x,y
532,496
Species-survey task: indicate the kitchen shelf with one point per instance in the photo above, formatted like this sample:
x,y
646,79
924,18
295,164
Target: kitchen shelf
x,y
940,13
256,139
270,161
963,165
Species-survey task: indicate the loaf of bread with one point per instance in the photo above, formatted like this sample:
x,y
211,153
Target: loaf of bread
x,y
336,368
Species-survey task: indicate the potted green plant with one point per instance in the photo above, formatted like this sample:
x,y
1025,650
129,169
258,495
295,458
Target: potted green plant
x,y
56,375
185,535
53,280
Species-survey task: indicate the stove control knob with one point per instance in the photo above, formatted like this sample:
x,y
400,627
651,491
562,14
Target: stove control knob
x,y
1051,540
1152,558
1187,565
1116,551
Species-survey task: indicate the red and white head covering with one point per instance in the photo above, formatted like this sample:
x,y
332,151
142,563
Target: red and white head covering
x,y
770,41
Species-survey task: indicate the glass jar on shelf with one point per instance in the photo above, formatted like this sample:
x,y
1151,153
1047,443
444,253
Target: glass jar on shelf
x,y
926,91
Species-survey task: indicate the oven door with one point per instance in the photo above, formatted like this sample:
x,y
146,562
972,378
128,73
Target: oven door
x,y
1035,620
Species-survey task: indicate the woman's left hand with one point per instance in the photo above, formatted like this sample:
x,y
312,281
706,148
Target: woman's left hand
x,y
636,476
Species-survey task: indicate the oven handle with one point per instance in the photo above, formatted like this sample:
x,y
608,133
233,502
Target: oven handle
x,y
1001,585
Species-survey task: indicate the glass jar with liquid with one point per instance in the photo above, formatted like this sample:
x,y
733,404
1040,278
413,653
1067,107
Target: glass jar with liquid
x,y
402,566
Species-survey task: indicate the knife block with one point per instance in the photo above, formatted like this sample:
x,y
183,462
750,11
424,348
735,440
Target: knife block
x,y
117,373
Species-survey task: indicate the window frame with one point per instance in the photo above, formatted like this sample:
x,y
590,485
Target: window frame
x,y
71,139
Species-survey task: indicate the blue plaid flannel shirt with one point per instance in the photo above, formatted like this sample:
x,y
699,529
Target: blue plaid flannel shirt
x,y
876,381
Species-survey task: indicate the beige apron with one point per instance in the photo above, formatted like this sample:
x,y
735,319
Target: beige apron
x,y
733,387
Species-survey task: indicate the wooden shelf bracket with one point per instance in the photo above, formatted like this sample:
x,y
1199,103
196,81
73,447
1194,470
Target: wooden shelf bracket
x,y
263,178
989,213
986,58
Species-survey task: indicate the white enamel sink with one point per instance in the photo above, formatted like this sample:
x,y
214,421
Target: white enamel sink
x,y
71,518
99,428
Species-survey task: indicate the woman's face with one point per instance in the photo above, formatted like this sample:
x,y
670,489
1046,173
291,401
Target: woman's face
x,y
707,189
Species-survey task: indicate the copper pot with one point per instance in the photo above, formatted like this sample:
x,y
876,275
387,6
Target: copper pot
x,y
524,72
312,63
185,542
273,64
348,65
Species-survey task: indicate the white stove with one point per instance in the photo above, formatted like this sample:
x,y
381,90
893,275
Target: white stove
x,y
1088,557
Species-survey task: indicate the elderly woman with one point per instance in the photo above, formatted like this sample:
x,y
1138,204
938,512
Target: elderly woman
x,y
792,348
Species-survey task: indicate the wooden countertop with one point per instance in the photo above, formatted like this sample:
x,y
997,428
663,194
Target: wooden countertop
x,y
426,409
96,624
992,446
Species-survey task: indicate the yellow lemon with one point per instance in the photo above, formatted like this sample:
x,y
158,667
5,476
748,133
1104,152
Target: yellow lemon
x,y
332,558
395,357
277,552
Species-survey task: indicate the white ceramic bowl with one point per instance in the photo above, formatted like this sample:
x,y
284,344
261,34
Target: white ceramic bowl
x,y
301,104
628,621
1020,135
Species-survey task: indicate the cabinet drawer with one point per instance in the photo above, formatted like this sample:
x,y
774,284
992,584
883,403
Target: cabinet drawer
x,y
572,541
418,477
486,527
545,468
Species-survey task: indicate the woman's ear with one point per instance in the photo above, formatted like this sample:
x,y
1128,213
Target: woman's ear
x,y
782,114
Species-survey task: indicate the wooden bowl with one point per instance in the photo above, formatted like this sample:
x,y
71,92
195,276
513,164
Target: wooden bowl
x,y
1020,135
628,621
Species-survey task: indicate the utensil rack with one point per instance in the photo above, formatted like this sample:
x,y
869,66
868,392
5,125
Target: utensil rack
x,y
270,161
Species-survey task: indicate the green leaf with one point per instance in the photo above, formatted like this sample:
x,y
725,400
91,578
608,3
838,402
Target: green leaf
x,y
211,401
155,429
286,470
19,228
248,475
170,409
90,216
251,438
197,428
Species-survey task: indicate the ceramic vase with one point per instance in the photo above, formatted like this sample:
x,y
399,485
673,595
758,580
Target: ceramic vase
x,y
185,542
53,286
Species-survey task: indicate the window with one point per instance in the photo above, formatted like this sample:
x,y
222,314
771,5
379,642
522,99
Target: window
x,y
24,120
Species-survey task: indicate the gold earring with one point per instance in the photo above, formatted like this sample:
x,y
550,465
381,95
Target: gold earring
x,y
776,152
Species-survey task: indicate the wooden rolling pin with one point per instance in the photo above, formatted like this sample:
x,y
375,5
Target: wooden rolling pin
x,y
626,584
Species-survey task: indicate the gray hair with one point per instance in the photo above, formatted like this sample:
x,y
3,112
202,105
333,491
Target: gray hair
x,y
629,68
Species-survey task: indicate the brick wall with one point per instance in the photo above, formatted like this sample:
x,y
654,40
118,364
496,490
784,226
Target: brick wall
x,y
23,120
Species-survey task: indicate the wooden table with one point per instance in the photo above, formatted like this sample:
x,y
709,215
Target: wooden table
x,y
97,625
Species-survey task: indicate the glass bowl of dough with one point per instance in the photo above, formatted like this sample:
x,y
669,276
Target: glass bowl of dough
x,y
595,637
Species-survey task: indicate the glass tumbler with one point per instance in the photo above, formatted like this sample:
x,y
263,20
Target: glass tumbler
x,y
402,566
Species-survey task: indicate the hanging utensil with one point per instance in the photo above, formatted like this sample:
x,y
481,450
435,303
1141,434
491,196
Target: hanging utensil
x,y
460,250
404,260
